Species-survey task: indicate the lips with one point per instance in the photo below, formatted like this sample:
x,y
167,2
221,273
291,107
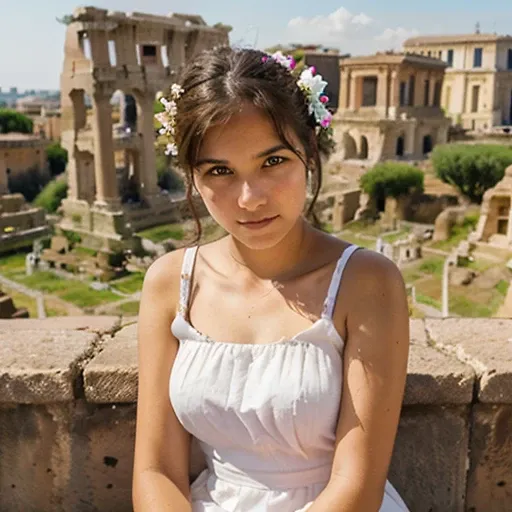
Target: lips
x,y
264,220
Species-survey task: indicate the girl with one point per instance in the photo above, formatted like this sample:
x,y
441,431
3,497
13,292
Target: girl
x,y
282,349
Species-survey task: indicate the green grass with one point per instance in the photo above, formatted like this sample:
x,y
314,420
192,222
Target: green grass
x,y
463,306
22,301
84,251
433,265
352,238
502,287
76,292
12,264
459,233
129,284
393,237
429,301
165,232
129,308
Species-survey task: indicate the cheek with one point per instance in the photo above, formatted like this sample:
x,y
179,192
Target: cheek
x,y
291,187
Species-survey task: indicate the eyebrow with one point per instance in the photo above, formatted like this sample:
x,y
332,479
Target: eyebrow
x,y
225,162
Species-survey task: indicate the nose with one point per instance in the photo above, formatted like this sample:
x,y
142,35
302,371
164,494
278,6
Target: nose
x,y
252,196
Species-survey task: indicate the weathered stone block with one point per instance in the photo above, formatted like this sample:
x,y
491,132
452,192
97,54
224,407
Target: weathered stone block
x,y
41,366
429,462
35,454
434,377
486,345
490,472
98,324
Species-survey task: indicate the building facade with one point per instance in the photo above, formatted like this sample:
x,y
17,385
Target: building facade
x,y
20,152
389,107
477,90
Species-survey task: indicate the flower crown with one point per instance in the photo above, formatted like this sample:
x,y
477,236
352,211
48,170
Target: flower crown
x,y
310,83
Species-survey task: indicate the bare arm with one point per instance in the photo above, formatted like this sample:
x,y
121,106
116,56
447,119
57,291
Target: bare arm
x,y
375,369
160,475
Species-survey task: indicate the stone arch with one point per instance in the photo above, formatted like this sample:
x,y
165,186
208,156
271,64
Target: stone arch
x,y
349,146
400,145
363,148
427,144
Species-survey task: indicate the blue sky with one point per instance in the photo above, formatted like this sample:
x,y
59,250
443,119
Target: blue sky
x,y
31,40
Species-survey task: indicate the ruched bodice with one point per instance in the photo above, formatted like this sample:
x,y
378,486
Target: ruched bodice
x,y
265,415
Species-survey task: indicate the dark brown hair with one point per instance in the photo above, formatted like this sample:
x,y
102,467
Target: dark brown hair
x,y
215,85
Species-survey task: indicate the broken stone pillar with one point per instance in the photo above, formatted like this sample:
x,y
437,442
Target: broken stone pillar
x,y
148,175
104,168
177,48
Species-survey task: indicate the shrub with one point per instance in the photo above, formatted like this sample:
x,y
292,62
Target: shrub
x,y
29,182
472,169
392,179
57,158
12,121
52,195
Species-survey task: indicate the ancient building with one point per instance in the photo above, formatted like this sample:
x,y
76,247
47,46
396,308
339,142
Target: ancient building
x,y
327,63
138,54
495,223
20,223
390,107
477,90
20,152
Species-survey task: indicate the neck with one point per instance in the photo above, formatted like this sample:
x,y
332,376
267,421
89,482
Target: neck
x,y
277,261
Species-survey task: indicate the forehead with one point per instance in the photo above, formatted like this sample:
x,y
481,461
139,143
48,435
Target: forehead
x,y
248,131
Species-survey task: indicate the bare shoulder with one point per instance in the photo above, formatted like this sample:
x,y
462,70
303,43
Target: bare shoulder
x,y
373,287
163,277
369,271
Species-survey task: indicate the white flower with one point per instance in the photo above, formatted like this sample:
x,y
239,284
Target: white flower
x,y
176,91
171,149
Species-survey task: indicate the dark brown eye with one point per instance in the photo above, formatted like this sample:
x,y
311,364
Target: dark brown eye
x,y
219,171
274,160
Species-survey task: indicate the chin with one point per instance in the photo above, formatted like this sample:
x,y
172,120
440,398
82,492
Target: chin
x,y
264,239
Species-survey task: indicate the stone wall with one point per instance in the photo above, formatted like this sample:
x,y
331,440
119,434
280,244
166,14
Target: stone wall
x,y
67,415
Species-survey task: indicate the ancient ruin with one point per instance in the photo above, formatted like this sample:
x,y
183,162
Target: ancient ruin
x,y
140,55
495,223
390,107
9,310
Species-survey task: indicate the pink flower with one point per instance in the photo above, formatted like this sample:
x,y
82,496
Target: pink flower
x,y
264,58
313,70
326,121
324,98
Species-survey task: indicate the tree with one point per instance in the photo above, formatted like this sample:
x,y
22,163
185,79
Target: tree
x,y
57,158
472,169
12,121
392,179
29,182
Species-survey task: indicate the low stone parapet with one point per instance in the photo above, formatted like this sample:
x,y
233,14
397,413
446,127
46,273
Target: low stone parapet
x,y
68,391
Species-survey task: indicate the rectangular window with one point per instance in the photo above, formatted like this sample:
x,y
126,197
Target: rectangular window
x,y
403,94
148,50
449,58
477,57
426,95
475,98
440,54
412,90
509,59
369,98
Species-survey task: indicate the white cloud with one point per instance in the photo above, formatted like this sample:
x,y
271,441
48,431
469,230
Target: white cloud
x,y
327,29
393,38
357,33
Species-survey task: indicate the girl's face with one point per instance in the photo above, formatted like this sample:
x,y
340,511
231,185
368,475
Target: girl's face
x,y
252,185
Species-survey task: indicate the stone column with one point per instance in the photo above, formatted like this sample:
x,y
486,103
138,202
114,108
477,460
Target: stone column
x,y
353,92
148,176
382,89
344,93
107,193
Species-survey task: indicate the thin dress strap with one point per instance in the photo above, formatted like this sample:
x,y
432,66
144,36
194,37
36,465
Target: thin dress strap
x,y
330,300
185,279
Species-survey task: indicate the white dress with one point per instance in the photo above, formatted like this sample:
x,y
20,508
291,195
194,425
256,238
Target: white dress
x,y
265,415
